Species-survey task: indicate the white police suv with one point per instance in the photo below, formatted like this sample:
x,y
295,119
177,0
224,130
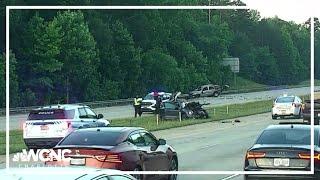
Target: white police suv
x,y
46,126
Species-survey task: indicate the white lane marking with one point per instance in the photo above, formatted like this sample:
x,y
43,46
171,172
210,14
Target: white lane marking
x,y
230,177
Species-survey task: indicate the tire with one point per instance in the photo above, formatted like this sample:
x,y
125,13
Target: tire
x,y
216,94
274,117
300,115
138,176
173,167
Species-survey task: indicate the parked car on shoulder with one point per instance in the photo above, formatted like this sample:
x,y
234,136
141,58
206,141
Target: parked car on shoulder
x,y
206,90
46,126
122,148
287,105
148,103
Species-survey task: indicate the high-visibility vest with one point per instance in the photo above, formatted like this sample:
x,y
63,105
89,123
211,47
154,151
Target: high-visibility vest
x,y
137,101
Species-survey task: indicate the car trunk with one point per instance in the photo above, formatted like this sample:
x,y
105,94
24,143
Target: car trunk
x,y
283,157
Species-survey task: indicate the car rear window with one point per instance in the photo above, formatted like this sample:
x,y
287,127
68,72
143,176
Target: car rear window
x,y
88,138
149,97
285,99
286,136
51,114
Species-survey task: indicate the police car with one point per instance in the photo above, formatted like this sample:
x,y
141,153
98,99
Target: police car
x,y
46,126
287,105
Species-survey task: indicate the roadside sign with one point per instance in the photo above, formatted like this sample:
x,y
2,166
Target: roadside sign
x,y
233,63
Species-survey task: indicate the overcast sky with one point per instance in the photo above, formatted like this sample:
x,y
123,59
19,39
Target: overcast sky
x,y
289,10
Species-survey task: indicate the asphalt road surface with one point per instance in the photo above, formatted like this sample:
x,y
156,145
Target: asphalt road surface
x,y
115,112
213,146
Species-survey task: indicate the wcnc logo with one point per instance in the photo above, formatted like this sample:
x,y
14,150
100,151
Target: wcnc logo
x,y
43,155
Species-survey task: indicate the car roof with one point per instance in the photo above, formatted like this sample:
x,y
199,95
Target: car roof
x,y
292,126
61,106
160,93
61,173
111,129
286,96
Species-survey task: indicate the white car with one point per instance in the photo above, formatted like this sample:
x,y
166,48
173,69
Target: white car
x,y
148,103
287,106
46,126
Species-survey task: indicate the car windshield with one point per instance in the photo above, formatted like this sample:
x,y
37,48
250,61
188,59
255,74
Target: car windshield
x,y
285,100
286,136
51,114
89,138
148,97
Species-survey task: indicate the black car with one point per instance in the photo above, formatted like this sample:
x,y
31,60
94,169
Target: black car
x,y
174,109
122,148
283,147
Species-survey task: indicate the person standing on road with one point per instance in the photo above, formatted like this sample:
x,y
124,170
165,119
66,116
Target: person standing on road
x,y
137,106
156,98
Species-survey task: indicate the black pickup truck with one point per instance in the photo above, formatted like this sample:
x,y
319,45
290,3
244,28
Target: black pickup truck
x,y
307,109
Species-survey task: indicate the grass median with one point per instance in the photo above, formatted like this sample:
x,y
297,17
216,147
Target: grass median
x,y
149,122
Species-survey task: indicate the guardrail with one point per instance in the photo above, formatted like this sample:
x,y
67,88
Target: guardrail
x,y
108,103
96,104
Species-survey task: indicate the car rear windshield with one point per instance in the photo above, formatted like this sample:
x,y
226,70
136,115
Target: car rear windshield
x,y
285,99
51,114
286,136
88,138
149,97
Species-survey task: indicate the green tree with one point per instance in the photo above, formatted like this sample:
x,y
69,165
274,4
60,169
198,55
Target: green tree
x,y
41,48
79,55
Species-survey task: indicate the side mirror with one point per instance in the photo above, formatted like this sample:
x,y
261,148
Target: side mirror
x,y
162,142
100,116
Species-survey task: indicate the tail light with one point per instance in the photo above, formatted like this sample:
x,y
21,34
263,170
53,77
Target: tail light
x,y
255,154
308,156
113,158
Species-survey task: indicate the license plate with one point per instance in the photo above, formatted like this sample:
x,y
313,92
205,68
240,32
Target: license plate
x,y
78,161
44,127
281,162
283,112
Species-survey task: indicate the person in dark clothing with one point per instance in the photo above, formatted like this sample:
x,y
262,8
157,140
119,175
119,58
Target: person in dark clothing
x,y
137,106
158,105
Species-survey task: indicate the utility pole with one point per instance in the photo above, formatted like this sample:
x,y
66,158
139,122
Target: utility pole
x,y
67,84
209,13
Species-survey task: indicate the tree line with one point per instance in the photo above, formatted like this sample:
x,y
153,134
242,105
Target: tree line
x,y
89,55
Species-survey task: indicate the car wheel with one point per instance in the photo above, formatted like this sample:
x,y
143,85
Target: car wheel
x,y
138,176
274,117
173,167
216,94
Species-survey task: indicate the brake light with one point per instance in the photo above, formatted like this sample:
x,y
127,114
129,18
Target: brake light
x,y
113,158
252,154
308,156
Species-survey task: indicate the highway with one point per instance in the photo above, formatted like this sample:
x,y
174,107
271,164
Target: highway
x,y
115,112
213,146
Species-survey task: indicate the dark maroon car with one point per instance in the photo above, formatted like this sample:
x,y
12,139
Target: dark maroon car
x,y
122,148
